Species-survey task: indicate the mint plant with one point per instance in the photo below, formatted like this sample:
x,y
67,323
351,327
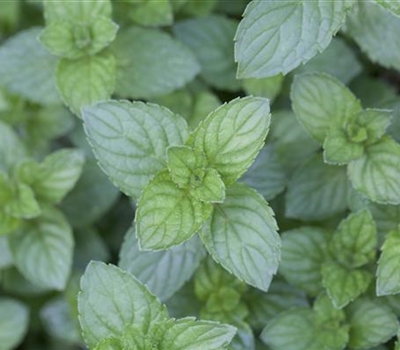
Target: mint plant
x,y
199,175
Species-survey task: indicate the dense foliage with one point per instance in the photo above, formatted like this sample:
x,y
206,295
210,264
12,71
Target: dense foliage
x,y
199,175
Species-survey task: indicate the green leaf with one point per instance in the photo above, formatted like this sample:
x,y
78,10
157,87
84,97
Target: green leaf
x,y
152,13
232,135
344,285
129,140
371,323
212,188
42,249
110,300
14,322
392,5
12,150
163,272
145,71
375,121
167,215
320,102
267,87
188,334
266,174
5,253
388,275
28,69
8,223
52,179
316,191
375,174
276,37
373,27
211,40
304,249
242,236
68,39
22,204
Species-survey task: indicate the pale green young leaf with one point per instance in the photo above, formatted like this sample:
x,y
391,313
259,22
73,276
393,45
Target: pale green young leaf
x,y
42,249
129,140
371,323
110,300
211,189
153,13
388,274
189,334
211,39
167,215
8,223
28,69
373,27
242,236
344,285
267,87
86,80
355,242
23,203
392,5
52,179
145,71
320,102
276,37
163,272
375,174
304,249
375,122
14,321
338,149
316,191
232,135
109,344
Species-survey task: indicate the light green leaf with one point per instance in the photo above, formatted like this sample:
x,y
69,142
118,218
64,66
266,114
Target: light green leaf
x,y
212,188
373,27
129,140
12,150
392,5
375,121
344,285
145,71
232,135
276,37
371,324
167,215
28,69
388,274
211,39
8,223
86,80
22,204
267,87
14,322
338,149
42,249
320,102
355,242
316,191
375,174
266,174
110,300
162,272
188,334
52,179
242,236
152,13
304,249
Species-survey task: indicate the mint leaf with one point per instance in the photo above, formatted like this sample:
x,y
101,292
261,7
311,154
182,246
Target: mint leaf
x,y
52,179
316,191
86,80
304,249
211,40
371,323
212,188
145,71
375,121
392,6
276,37
28,69
167,215
344,285
375,173
320,101
188,334
5,253
163,272
13,323
22,203
119,135
12,150
388,277
242,236
152,13
42,249
267,87
245,124
111,300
